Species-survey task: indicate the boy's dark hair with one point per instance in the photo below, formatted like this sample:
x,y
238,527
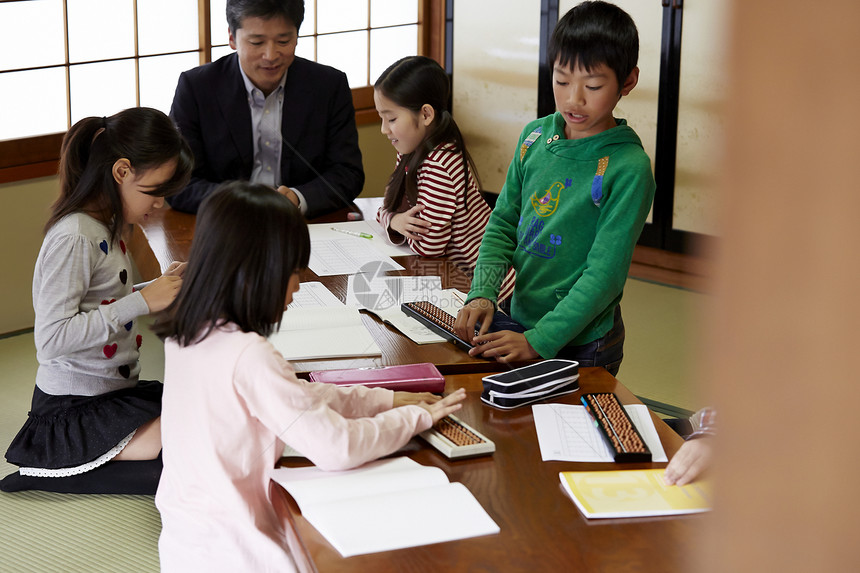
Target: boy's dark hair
x,y
411,82
595,33
144,136
248,242
237,10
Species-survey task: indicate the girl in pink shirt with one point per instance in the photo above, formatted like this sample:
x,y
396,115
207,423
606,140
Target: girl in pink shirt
x,y
231,400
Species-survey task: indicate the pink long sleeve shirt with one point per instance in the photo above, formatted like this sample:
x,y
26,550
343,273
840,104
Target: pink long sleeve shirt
x,y
230,403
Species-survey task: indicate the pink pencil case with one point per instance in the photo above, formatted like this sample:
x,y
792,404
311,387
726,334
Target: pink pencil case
x,y
422,377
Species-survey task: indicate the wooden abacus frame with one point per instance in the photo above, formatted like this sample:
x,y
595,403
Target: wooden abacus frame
x,y
435,319
616,427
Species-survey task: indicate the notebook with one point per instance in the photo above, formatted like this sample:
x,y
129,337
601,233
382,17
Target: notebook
x,y
323,332
385,505
633,493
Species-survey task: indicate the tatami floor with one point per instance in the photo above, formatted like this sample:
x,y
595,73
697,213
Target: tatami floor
x,y
43,532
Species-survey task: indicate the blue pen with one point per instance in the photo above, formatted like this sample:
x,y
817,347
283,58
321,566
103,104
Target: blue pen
x,y
588,409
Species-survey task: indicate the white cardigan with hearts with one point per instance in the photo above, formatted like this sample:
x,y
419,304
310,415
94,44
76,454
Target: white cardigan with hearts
x,y
85,330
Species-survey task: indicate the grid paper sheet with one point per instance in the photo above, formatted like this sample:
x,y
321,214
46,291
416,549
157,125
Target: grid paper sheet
x,y
567,433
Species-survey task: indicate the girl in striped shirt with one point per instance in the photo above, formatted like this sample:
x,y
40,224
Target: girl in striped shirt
x,y
432,200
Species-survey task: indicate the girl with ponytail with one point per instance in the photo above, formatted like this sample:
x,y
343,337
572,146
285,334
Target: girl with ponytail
x,y
432,200
93,426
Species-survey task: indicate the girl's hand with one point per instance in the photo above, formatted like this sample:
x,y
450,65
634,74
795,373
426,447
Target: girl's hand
x,y
477,310
160,293
692,459
504,346
409,224
447,405
414,398
176,269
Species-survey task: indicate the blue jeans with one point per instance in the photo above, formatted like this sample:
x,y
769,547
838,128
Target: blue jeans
x,y
607,351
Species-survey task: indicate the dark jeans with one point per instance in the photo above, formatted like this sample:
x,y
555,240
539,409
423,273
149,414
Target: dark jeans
x,y
607,351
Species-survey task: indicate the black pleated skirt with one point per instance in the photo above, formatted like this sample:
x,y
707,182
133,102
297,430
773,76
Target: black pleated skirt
x,y
68,431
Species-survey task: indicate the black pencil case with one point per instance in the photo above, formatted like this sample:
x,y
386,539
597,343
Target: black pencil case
x,y
531,383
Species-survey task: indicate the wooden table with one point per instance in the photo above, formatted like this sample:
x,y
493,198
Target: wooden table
x,y
167,236
541,528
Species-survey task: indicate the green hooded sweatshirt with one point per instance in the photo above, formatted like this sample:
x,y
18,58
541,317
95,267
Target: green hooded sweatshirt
x,y
567,219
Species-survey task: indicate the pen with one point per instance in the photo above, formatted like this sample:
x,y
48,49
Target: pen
x,y
363,235
588,411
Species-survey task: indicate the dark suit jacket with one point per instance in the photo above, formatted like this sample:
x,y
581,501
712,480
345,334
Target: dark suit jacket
x,y
210,108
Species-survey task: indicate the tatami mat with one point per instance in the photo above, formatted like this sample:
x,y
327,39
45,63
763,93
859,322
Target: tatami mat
x,y
662,343
44,532
50,532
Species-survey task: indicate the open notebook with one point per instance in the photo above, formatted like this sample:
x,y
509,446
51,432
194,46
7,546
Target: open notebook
x,y
384,505
309,333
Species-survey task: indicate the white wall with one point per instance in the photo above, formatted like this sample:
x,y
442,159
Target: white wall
x,y
25,209
496,58
495,79
703,91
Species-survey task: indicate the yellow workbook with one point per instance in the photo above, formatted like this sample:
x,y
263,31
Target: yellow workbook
x,y
633,493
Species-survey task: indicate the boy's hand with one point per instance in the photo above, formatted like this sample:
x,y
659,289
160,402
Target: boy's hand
x,y
505,346
160,293
447,405
414,398
476,310
409,224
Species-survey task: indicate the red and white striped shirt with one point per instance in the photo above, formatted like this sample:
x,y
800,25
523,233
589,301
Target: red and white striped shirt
x,y
456,230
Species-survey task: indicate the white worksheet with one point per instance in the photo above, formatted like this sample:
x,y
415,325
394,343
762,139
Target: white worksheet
x,y
348,256
383,294
314,294
379,240
567,433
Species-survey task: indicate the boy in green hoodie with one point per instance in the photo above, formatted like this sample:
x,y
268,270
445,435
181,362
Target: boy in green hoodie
x,y
575,200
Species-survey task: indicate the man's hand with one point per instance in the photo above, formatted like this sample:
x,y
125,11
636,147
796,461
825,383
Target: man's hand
x,y
289,194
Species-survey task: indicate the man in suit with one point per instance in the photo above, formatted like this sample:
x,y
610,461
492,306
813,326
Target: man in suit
x,y
264,115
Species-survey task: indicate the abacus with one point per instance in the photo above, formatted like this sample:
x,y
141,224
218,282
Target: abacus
x,y
615,425
436,319
456,439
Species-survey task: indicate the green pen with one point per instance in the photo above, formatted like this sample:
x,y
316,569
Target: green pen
x,y
363,235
